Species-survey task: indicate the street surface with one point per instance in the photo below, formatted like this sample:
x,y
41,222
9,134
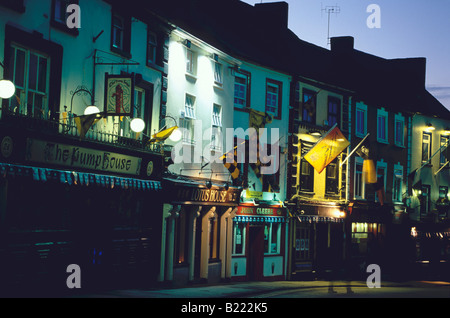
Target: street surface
x,y
291,289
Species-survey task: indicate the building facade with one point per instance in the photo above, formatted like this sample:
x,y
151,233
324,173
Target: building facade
x,y
73,194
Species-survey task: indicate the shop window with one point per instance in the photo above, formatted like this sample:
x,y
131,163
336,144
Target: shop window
x,y
239,234
302,243
365,237
272,233
181,239
426,146
213,239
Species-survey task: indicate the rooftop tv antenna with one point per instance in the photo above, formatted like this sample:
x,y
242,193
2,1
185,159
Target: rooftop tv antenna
x,y
329,10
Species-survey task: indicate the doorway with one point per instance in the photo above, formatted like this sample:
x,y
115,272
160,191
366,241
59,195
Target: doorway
x,y
256,252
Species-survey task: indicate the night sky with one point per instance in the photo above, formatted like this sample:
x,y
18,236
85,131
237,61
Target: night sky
x,y
409,28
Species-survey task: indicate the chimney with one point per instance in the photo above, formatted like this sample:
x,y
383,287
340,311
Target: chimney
x,y
275,13
342,44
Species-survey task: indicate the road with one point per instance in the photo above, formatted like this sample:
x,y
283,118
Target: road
x,y
340,290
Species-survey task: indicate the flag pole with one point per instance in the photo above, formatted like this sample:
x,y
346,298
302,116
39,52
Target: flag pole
x,y
351,153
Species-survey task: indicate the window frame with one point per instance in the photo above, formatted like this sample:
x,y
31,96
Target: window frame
x,y
247,78
15,36
443,152
361,107
399,118
381,165
270,241
216,128
152,47
279,86
236,225
382,117
337,101
430,141
397,198
125,48
313,95
359,162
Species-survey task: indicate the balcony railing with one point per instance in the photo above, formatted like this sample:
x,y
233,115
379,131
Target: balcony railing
x,y
69,129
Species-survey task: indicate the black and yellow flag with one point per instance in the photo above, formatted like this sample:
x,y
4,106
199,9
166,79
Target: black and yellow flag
x,y
257,120
230,162
85,122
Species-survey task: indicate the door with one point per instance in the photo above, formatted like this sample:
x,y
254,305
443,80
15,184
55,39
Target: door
x,y
256,252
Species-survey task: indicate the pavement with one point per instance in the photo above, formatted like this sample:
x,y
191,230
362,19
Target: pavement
x,y
244,289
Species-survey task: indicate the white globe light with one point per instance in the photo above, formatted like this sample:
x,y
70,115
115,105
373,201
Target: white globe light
x,y
137,125
176,135
7,89
91,110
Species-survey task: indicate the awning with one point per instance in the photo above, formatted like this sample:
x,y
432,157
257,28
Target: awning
x,y
77,178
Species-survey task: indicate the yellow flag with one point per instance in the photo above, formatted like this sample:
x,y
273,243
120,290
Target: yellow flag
x,y
327,149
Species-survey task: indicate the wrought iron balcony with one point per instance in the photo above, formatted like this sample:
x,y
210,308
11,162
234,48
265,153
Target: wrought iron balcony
x,y
68,128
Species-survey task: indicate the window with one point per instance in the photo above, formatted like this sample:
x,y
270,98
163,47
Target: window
x,y
334,106
302,243
30,74
272,233
359,179
191,62
381,175
399,130
181,238
425,200
271,180
218,74
306,170
306,176
382,125
331,185
118,26
444,149
426,146
121,34
188,120
242,89
216,135
152,43
398,183
213,239
239,232
361,120
309,106
273,98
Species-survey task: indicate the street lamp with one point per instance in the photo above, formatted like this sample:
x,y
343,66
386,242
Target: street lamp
x,y
7,88
137,125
